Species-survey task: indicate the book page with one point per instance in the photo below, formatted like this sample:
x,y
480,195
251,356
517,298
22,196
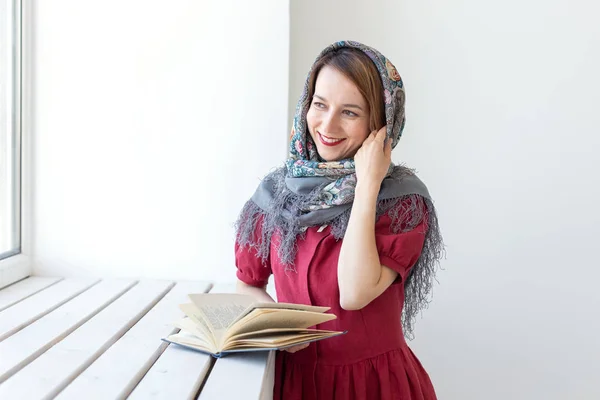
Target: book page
x,y
187,325
199,319
269,332
286,306
260,319
220,310
292,306
277,341
192,341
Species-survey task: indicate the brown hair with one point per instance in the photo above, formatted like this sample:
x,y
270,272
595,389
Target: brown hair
x,y
359,68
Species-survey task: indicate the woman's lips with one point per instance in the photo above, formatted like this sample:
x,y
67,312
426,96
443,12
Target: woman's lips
x,y
327,141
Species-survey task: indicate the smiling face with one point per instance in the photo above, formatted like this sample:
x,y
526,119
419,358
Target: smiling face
x,y
338,118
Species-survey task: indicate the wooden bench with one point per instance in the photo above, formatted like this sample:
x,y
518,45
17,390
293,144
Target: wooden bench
x,y
78,338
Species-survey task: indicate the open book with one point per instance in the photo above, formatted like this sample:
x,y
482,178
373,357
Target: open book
x,y
221,323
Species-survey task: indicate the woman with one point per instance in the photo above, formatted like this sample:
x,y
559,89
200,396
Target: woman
x,y
340,226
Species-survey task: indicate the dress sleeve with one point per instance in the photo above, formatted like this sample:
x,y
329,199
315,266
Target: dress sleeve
x,y
250,268
399,251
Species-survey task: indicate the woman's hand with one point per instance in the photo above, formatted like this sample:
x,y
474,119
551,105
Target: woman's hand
x,y
296,348
372,160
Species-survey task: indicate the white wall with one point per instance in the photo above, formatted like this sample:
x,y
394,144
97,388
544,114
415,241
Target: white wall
x,y
154,121
503,125
144,110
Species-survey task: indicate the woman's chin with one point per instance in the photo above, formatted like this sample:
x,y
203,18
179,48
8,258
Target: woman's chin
x,y
330,155
331,158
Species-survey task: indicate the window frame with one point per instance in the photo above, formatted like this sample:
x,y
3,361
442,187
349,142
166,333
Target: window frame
x,y
19,266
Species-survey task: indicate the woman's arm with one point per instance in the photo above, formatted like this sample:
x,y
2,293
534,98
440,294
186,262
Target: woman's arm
x,y
361,277
259,293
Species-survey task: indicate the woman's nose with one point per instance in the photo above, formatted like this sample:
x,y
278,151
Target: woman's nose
x,y
330,122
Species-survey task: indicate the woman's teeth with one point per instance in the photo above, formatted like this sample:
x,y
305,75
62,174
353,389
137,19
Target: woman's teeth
x,y
329,141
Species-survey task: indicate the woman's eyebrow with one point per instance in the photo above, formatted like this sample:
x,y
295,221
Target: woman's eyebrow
x,y
345,105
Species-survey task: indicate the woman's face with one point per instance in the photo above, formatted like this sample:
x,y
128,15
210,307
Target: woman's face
x,y
338,117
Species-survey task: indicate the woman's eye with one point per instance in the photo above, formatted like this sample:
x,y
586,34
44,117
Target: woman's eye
x,y
350,113
318,105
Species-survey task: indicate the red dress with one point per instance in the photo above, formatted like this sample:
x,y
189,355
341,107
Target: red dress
x,y
371,361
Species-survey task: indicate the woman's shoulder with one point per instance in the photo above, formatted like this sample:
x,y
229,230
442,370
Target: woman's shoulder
x,y
401,214
403,181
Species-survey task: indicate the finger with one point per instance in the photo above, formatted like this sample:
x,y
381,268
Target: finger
x,y
299,347
368,140
388,148
380,137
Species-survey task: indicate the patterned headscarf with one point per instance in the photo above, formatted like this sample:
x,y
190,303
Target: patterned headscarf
x,y
305,161
309,192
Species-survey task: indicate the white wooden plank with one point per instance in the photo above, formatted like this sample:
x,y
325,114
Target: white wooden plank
x,y
25,312
177,374
257,370
24,346
50,373
252,377
23,289
268,382
116,373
